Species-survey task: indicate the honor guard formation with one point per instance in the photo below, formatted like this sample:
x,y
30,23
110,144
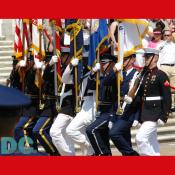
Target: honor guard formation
x,y
88,82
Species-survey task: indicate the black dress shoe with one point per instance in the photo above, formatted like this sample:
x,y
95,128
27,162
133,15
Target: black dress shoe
x,y
134,153
173,109
105,154
95,154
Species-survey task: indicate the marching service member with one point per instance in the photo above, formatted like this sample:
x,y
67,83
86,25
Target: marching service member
x,y
48,108
76,130
155,104
61,140
30,113
97,132
120,132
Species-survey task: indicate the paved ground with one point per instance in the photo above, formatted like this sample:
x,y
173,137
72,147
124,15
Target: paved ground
x,y
166,149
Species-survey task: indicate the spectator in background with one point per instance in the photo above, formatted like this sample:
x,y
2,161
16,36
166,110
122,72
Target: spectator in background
x,y
171,25
160,25
156,39
167,60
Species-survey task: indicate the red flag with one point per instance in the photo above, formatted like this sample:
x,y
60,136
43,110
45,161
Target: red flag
x,y
26,32
58,28
18,47
58,46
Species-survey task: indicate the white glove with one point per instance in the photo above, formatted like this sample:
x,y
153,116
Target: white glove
x,y
135,123
110,124
39,64
115,44
128,99
22,63
160,122
96,67
43,67
118,66
53,60
74,61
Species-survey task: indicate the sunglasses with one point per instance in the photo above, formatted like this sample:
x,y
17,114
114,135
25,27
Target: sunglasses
x,y
166,35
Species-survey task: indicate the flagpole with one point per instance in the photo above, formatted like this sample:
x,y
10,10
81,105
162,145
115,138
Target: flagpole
x,y
55,65
97,73
41,106
76,75
22,71
23,54
119,108
97,79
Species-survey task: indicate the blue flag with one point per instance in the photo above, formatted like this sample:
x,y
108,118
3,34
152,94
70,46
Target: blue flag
x,y
99,36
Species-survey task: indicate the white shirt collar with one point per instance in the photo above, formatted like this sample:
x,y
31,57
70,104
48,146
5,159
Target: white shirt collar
x,y
128,71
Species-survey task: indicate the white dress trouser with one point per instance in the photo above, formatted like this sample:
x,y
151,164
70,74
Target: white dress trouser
x,y
77,128
146,139
60,139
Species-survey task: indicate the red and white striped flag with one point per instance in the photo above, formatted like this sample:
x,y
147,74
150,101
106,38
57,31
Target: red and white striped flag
x,y
22,41
27,32
18,47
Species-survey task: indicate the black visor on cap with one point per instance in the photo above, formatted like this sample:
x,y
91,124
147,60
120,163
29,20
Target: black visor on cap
x,y
147,55
106,58
104,61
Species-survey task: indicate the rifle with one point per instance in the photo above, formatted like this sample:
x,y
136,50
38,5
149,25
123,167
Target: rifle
x,y
133,92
